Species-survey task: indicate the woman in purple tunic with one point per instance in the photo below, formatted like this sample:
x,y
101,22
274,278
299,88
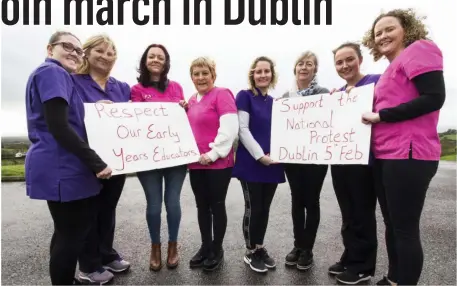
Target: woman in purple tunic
x,y
258,174
354,188
94,84
60,167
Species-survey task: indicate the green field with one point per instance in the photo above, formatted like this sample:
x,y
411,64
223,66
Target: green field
x,y
448,145
451,157
13,171
14,167
451,137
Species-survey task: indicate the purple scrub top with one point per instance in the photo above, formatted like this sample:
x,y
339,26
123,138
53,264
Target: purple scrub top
x,y
366,80
91,92
246,167
51,172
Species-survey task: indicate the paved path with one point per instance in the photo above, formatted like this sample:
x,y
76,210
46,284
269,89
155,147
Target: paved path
x,y
27,228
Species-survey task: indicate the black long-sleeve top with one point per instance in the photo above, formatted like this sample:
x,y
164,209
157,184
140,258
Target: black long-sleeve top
x,y
432,95
56,116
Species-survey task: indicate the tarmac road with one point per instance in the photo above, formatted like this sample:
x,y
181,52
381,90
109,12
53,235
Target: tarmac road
x,y
27,229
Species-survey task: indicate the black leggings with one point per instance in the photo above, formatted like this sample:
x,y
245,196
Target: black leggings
x,y
257,201
354,190
210,189
401,187
99,250
72,224
305,185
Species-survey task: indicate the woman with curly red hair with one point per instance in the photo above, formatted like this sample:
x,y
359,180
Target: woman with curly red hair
x,y
406,145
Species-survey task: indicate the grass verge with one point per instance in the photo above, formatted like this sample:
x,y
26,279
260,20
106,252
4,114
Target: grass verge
x,y
451,157
13,171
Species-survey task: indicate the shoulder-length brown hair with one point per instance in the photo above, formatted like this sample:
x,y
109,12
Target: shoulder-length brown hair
x,y
274,75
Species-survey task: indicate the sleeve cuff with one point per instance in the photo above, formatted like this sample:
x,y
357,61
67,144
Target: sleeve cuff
x,y
258,156
213,155
382,114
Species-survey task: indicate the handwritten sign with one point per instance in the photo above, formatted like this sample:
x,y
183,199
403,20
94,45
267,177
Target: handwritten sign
x,y
133,137
322,129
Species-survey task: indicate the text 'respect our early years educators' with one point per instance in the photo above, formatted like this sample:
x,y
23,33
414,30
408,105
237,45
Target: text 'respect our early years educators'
x,y
134,137
322,128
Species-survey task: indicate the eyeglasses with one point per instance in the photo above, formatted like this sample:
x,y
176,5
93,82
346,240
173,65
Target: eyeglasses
x,y
70,48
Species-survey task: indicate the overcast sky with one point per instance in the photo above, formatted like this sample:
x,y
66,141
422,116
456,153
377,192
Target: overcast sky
x,y
233,48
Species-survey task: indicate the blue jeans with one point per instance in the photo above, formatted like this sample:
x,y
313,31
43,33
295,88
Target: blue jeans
x,y
152,186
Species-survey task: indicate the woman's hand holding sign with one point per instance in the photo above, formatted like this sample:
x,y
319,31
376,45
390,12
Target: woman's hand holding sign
x,y
105,101
370,118
183,104
348,90
105,174
266,160
205,160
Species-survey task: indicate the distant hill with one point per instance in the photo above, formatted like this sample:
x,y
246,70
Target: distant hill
x,y
448,143
15,139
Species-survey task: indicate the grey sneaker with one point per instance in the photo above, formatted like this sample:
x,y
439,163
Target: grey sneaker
x,y
100,277
118,265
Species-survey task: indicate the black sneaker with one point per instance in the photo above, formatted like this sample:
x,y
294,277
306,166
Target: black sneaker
x,y
350,278
305,260
292,257
214,259
269,262
384,281
199,258
336,268
255,261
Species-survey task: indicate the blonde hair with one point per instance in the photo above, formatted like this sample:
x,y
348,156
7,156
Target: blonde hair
x,y
274,76
305,55
91,43
204,62
411,23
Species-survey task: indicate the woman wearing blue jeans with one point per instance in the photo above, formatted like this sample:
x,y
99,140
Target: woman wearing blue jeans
x,y
154,86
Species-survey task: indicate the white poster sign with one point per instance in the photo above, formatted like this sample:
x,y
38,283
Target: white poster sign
x,y
133,137
322,129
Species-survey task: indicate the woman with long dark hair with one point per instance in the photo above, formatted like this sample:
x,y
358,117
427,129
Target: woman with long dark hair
x,y
154,86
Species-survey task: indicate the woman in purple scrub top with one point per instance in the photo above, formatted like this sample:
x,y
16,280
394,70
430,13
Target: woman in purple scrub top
x,y
60,167
258,174
354,188
94,84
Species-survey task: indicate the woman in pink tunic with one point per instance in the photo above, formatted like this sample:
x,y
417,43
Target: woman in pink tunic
x,y
406,145
213,118
154,86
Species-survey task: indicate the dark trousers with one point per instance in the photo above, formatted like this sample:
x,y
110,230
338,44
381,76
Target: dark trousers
x,y
72,224
98,250
401,187
257,201
210,189
305,185
354,190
